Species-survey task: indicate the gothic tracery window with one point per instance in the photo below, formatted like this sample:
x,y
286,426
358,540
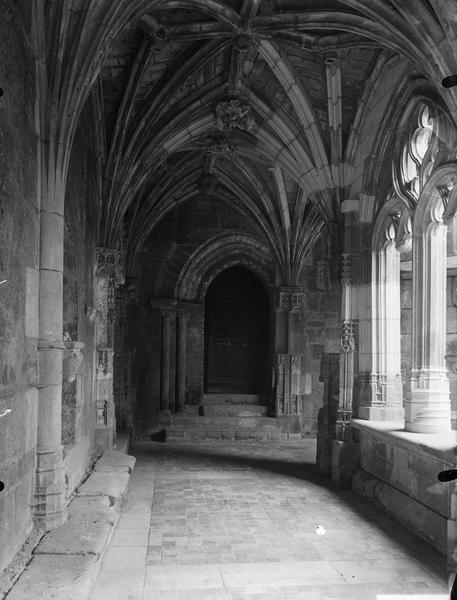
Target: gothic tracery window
x,y
418,152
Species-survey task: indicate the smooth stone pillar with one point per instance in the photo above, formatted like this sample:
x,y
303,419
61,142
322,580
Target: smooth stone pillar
x,y
181,354
165,365
428,409
50,505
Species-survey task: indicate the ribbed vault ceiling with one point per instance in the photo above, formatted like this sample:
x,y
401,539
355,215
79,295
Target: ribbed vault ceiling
x,y
302,69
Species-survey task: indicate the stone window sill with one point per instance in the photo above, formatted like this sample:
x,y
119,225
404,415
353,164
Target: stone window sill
x,y
443,447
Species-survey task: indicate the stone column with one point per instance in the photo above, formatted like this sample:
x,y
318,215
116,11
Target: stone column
x,y
386,402
288,359
428,408
344,450
347,356
50,504
165,366
108,275
326,421
181,354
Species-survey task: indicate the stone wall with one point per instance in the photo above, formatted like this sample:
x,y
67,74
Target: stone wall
x,y
398,472
19,286
79,322
322,332
159,267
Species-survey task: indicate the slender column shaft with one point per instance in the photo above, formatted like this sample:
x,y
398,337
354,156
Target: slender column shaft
x,y
165,364
50,479
385,401
428,407
181,353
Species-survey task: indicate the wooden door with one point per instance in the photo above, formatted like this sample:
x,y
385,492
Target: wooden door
x,y
237,335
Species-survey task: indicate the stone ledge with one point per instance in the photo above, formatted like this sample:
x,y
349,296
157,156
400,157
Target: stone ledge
x,y
443,447
432,527
65,563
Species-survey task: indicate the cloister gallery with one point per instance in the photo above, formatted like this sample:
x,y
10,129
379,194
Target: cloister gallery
x,y
229,220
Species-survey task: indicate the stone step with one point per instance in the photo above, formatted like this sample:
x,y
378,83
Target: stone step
x,y
234,399
234,410
243,433
223,428
221,421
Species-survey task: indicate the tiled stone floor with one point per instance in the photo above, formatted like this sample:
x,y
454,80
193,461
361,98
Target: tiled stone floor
x,y
237,520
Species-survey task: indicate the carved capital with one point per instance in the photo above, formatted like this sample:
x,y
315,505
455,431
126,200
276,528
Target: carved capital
x,y
110,264
290,300
232,114
347,338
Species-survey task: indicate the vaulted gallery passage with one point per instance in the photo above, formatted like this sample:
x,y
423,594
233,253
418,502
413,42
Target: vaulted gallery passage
x,y
228,246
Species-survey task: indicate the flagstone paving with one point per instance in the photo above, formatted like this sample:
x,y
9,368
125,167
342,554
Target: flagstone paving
x,y
237,521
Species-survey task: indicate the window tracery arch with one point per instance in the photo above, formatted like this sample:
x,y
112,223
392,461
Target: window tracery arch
x,y
418,153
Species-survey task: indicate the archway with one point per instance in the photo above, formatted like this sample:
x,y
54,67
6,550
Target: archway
x,y
236,333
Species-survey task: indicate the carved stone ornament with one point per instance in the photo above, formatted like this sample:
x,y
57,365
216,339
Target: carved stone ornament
x,y
231,114
72,360
288,300
105,361
109,264
347,338
218,145
283,302
297,302
346,275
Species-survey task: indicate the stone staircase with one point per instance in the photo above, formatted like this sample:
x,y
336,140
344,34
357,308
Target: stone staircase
x,y
225,417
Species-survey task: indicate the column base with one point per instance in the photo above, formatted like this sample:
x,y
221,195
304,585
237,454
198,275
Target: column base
x,y
50,510
345,459
428,411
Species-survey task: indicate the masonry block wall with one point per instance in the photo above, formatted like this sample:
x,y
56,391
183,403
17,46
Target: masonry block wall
x,y
79,253
160,263
322,333
19,286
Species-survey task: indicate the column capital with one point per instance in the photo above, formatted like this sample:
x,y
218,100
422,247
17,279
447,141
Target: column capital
x,y
110,264
290,299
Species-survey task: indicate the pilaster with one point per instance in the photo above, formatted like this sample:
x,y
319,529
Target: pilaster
x,y
344,449
327,416
181,356
287,392
109,274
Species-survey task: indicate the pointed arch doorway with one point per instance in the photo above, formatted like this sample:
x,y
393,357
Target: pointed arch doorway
x,y
236,333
